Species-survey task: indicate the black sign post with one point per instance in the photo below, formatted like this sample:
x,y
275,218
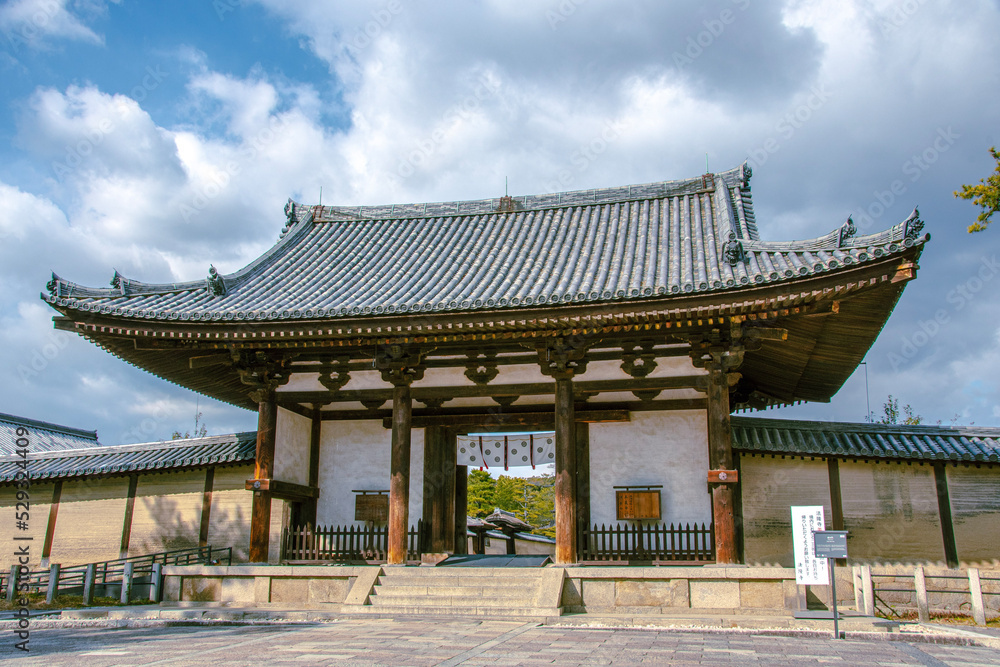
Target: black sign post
x,y
831,544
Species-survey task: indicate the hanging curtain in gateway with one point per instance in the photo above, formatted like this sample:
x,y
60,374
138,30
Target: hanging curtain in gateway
x,y
494,451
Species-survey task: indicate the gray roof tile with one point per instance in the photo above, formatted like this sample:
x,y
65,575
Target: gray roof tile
x,y
42,436
121,459
618,244
889,441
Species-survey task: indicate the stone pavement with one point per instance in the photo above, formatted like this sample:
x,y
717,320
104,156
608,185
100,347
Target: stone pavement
x,y
447,642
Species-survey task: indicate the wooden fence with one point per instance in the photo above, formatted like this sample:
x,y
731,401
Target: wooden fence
x,y
345,544
656,543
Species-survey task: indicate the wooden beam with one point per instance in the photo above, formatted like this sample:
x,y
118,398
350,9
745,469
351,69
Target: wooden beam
x,y
498,420
565,481
697,382
944,511
206,507
399,480
582,481
283,490
133,483
836,499
260,512
50,528
309,508
720,456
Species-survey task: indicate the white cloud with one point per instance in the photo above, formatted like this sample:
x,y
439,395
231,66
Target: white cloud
x,y
33,22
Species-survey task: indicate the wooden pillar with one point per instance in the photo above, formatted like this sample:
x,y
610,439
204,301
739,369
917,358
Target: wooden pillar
x,y
50,529
308,509
133,483
206,507
944,511
582,483
260,513
461,507
399,481
439,490
720,455
565,482
836,499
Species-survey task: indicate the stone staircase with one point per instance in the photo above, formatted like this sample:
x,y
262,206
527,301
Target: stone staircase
x,y
511,592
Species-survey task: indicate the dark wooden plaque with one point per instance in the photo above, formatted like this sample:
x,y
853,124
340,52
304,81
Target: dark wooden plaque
x,y
371,508
636,505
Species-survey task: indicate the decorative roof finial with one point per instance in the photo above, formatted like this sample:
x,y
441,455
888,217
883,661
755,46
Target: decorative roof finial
x,y
116,280
53,285
732,250
290,216
216,283
913,225
848,230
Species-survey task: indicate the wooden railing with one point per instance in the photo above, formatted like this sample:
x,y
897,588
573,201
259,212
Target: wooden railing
x,y
344,544
71,580
658,543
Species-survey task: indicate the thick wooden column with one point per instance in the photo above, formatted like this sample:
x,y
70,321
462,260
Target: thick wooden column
x,y
439,490
461,506
565,482
260,513
720,456
399,481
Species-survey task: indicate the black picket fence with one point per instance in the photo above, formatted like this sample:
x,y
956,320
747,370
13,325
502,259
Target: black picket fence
x,y
653,543
345,544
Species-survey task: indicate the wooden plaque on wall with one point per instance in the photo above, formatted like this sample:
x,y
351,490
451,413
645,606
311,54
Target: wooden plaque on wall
x,y
635,505
371,508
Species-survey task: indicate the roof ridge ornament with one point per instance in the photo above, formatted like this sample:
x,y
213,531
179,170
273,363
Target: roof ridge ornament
x,y
913,225
732,250
53,285
216,283
847,231
290,216
118,282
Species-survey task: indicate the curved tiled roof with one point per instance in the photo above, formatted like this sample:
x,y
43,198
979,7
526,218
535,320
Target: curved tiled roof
x,y
883,441
124,459
619,244
42,436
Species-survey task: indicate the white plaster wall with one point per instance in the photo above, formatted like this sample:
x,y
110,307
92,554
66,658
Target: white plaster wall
x,y
355,455
291,447
668,448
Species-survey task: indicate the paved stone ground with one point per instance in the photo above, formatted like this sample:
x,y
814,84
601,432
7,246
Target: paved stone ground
x,y
426,642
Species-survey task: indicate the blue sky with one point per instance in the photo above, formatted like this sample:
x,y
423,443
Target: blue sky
x,y
157,138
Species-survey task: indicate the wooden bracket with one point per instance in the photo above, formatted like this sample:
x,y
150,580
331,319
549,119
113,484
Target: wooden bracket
x,y
723,476
283,490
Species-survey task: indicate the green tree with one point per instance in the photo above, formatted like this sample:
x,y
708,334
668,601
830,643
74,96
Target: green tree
x,y
482,494
200,430
891,413
986,195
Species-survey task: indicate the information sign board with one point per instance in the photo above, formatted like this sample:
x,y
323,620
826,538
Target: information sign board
x,y
830,543
809,570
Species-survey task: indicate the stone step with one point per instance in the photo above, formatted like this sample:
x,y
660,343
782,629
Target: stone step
x,y
456,581
454,591
446,601
461,610
532,572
